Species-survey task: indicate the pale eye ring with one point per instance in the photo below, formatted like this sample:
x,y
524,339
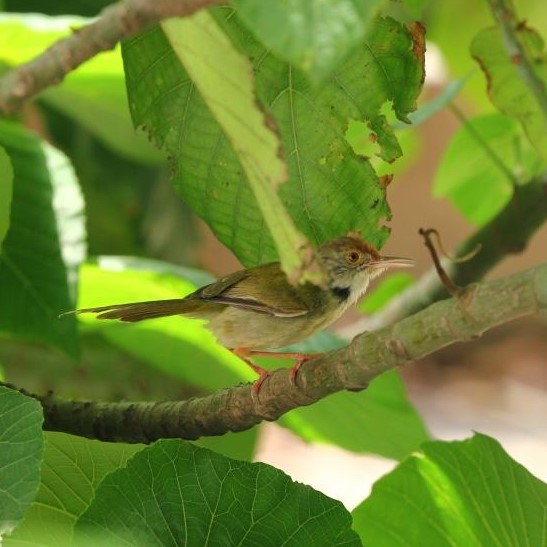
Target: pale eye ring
x,y
353,257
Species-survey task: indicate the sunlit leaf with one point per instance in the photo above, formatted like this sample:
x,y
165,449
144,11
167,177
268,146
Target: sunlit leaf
x,y
485,158
455,493
72,469
93,94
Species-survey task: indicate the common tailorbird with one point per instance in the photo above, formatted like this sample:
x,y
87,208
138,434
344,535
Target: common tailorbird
x,y
256,310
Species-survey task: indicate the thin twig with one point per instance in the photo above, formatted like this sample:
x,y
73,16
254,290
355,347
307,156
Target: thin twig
x,y
452,288
119,21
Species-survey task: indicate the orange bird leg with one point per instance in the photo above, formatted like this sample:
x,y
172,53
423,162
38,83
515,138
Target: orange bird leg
x,y
243,354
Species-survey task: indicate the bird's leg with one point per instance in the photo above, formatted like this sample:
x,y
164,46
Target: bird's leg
x,y
243,354
300,359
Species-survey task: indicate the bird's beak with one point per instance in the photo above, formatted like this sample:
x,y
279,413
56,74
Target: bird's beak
x,y
392,262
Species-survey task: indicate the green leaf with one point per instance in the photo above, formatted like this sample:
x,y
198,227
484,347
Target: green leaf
x,y
330,189
379,420
223,77
20,457
509,86
313,35
390,287
6,191
455,493
174,493
496,156
93,94
72,469
45,242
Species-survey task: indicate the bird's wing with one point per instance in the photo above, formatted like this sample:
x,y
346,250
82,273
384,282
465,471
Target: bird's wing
x,y
263,289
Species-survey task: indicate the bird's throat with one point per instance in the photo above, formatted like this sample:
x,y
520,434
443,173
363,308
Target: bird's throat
x,y
342,293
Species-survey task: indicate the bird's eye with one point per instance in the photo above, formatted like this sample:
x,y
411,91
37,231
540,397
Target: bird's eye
x,y
353,257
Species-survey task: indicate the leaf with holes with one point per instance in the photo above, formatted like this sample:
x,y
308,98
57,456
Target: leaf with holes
x,y
330,189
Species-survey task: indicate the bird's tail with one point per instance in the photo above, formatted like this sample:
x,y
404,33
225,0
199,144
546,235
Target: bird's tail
x,y
138,311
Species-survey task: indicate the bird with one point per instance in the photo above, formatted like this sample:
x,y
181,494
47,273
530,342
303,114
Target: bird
x,y
255,311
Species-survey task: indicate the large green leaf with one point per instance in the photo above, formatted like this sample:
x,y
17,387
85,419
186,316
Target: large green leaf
x,y
496,156
312,35
72,469
330,189
21,445
174,493
6,191
455,493
93,94
509,79
225,83
44,244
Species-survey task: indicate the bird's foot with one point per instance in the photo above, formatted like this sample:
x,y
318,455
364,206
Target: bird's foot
x,y
301,359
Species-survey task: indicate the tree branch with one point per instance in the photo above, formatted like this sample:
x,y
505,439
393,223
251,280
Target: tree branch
x,y
507,233
118,21
478,308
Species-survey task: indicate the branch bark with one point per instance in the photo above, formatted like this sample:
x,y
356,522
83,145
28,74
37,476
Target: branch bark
x,y
118,21
478,308
508,233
